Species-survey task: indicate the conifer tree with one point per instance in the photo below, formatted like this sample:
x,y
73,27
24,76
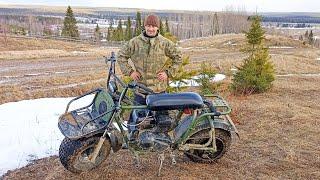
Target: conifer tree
x,y
310,38
215,24
306,35
109,33
167,26
180,74
119,32
128,29
70,28
138,28
97,33
301,38
256,74
161,29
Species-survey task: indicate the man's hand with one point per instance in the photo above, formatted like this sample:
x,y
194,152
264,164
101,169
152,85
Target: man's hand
x,y
135,75
162,76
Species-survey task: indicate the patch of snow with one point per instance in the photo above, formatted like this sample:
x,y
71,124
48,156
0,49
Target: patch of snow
x,y
281,47
79,84
193,83
58,72
195,48
8,77
218,77
233,69
35,74
301,75
3,81
29,130
230,43
79,52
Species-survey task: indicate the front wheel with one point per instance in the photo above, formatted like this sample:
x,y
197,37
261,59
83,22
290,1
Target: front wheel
x,y
223,142
74,154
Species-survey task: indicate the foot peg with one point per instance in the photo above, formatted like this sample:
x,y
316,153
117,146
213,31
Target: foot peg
x,y
160,159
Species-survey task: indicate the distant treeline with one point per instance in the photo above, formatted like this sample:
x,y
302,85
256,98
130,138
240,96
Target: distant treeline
x,y
28,24
291,19
183,25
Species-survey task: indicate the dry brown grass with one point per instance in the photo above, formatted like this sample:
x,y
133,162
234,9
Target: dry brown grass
x,y
279,129
19,48
218,51
279,140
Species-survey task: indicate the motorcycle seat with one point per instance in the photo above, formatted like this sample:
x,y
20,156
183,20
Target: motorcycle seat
x,y
174,101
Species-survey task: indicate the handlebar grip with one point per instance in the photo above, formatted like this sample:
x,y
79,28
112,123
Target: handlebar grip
x,y
144,87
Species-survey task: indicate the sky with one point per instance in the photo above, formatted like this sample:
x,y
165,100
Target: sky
x,y
210,5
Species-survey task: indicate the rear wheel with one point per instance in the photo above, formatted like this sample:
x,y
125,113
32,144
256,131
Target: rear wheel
x,y
74,154
223,142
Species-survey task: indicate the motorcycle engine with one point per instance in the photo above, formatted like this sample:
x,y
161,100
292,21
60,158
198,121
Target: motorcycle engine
x,y
153,141
153,128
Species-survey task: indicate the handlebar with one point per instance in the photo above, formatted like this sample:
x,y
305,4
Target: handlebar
x,y
135,84
111,59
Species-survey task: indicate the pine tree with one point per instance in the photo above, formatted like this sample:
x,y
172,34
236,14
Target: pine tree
x,y
180,74
171,37
255,36
109,33
306,35
167,26
215,24
47,31
70,28
97,34
310,38
256,74
301,38
161,29
128,29
138,28
206,73
119,32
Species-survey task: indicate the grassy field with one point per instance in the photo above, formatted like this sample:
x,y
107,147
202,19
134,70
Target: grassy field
x,y
19,48
279,129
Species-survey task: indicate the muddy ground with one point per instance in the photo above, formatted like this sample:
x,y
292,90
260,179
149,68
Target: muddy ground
x,y
279,129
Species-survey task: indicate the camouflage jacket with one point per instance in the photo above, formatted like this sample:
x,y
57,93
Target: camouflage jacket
x,y
149,56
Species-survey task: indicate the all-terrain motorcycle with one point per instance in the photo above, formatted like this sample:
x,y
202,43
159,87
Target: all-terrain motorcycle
x,y
169,123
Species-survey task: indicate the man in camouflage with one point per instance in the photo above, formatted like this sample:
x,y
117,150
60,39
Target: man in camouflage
x,y
148,53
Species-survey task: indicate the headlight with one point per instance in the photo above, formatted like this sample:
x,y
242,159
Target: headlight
x,y
112,87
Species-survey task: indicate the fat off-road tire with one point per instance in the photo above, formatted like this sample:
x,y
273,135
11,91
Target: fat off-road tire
x,y
74,154
223,142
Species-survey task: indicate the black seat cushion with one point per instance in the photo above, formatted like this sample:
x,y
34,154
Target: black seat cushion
x,y
165,101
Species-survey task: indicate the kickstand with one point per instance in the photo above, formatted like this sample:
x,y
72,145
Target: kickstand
x,y
136,160
173,158
160,159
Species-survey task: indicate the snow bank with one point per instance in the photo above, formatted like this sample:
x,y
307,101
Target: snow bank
x,y
29,131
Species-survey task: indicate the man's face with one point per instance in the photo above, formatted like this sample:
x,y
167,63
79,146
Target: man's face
x,y
151,30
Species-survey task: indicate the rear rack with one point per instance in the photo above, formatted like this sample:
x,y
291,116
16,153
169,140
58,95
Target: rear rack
x,y
89,119
220,104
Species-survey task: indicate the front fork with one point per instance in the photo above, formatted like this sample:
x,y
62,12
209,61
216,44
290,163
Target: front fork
x,y
102,139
